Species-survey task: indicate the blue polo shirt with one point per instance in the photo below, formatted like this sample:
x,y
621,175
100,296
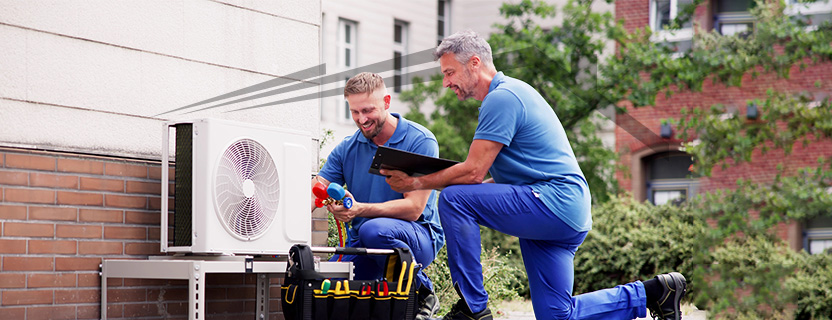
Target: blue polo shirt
x,y
350,162
535,149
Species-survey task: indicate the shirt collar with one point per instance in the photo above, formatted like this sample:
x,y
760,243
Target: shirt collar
x,y
398,135
498,78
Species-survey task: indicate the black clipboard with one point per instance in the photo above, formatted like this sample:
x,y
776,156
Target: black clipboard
x,y
413,164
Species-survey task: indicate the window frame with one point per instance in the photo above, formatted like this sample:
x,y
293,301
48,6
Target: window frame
x,y
732,18
810,234
817,230
820,7
689,186
445,20
400,68
679,35
345,114
670,37
343,64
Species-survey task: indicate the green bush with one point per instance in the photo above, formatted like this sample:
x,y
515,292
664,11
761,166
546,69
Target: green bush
x,y
746,279
636,241
734,275
498,275
812,285
508,246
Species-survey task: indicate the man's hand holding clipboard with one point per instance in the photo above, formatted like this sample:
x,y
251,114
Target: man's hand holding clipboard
x,y
412,164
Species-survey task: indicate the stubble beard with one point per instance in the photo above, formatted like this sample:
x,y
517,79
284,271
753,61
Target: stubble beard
x,y
372,134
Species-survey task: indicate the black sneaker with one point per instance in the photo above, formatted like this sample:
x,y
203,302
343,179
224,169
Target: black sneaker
x,y
460,311
667,307
428,305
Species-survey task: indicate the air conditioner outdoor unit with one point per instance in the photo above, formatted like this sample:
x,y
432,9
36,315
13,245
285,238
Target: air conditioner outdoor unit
x,y
239,188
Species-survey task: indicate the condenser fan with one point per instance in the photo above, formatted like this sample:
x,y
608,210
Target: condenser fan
x,y
247,189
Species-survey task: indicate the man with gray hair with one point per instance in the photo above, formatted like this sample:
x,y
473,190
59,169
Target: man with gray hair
x,y
380,217
536,192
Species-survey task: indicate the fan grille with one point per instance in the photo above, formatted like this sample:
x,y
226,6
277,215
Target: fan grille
x,y
247,189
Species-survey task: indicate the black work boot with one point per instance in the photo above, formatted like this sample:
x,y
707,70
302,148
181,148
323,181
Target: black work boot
x,y
667,307
428,304
460,310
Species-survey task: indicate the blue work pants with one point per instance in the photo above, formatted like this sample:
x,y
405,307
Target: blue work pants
x,y
548,246
388,233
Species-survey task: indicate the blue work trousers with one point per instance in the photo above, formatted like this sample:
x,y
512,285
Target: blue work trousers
x,y
388,233
548,246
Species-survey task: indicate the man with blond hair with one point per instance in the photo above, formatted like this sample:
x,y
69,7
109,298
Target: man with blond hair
x,y
380,217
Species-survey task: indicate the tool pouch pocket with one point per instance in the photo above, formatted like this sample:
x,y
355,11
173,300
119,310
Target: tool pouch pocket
x,y
307,295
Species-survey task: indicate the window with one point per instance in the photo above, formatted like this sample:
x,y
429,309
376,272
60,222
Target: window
x,y
668,178
347,117
662,13
399,54
346,51
443,21
733,17
346,45
812,14
817,235
726,6
322,60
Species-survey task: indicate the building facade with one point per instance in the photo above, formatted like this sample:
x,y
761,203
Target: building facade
x,y
84,90
657,171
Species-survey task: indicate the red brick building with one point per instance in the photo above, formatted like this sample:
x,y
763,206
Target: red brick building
x,y
63,213
657,169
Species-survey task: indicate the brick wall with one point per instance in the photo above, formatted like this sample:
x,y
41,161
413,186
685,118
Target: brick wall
x,y
61,214
762,169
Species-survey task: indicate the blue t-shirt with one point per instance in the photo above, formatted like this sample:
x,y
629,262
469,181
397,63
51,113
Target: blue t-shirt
x,y
535,149
350,162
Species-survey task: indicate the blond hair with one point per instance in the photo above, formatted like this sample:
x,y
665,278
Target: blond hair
x,y
365,82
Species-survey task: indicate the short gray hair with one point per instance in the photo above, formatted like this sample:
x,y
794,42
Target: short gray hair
x,y
464,45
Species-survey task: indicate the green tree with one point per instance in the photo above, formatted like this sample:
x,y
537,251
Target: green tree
x,y
751,256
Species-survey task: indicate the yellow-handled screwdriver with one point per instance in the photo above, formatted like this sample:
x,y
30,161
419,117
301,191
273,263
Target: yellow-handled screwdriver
x,y
401,277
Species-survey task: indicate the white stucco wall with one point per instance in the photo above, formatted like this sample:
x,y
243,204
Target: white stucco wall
x,y
94,76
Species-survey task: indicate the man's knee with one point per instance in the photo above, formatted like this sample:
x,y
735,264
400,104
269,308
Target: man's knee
x,y
561,316
557,313
449,195
553,306
375,231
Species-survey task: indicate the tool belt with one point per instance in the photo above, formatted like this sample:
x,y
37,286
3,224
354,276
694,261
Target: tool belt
x,y
307,295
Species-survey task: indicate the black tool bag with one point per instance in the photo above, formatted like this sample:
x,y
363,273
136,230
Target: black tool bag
x,y
307,295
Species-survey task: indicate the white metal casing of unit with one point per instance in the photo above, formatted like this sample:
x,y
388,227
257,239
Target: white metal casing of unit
x,y
209,235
